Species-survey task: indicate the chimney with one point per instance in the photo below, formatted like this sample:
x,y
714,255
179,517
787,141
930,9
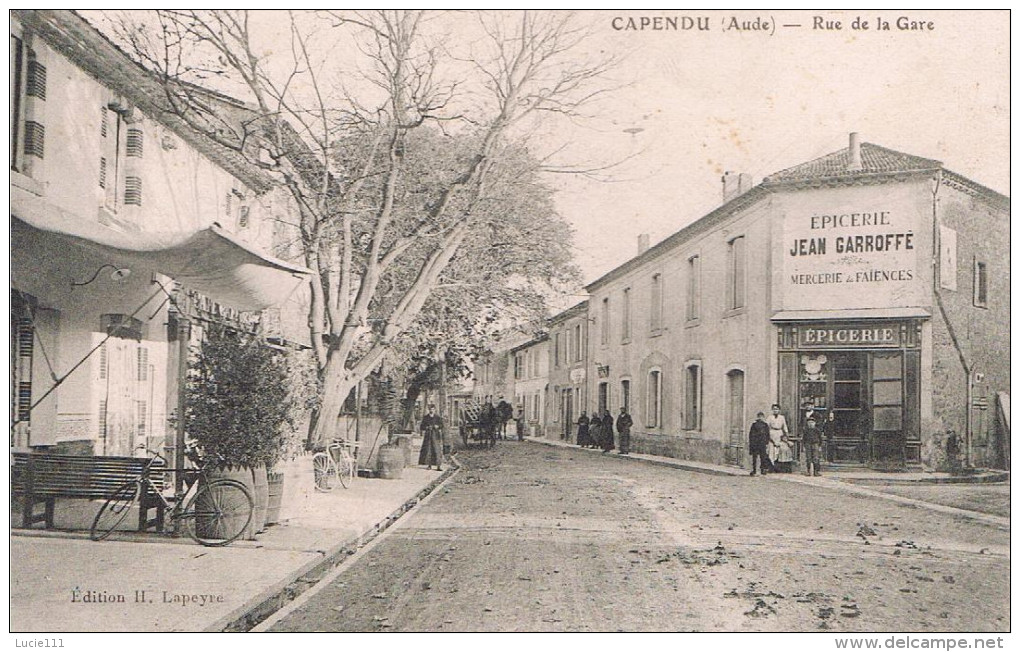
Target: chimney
x,y
735,185
855,153
642,243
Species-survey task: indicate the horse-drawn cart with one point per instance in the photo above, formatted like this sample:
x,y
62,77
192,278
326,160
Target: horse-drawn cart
x,y
477,426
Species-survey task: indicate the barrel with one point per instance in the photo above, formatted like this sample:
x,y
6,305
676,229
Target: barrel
x,y
403,442
275,502
261,496
242,475
390,462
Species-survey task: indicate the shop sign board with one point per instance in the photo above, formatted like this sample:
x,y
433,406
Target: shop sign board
x,y
843,337
851,248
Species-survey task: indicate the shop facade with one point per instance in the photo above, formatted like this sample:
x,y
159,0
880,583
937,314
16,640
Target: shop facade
x,y
863,289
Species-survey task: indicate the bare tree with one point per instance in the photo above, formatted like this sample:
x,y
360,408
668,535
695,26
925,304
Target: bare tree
x,y
379,234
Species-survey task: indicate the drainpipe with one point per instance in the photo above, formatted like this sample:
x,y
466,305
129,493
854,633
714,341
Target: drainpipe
x,y
945,316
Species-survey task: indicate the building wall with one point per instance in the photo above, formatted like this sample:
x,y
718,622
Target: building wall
x,y
530,389
567,373
982,333
717,340
181,190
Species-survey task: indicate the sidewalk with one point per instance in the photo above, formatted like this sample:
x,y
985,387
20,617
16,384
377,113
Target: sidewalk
x,y
62,581
845,481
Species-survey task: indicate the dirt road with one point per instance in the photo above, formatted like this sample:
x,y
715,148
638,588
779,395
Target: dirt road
x,y
531,538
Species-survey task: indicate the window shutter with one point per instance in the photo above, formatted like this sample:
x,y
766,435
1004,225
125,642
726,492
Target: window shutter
x,y
36,83
143,414
243,220
102,171
134,142
104,126
102,418
133,191
35,138
143,363
103,362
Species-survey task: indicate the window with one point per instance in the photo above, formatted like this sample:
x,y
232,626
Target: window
x,y
736,286
980,284
556,349
103,362
536,404
693,287
102,419
27,91
656,307
653,415
603,397
625,326
120,147
625,394
692,397
605,321
578,344
517,366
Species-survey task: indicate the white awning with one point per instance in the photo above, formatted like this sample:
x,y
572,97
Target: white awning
x,y
852,314
209,260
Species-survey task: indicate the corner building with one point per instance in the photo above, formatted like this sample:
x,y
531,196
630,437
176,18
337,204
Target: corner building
x,y
868,283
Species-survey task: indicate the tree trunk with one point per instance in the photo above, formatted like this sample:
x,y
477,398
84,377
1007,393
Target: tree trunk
x,y
337,385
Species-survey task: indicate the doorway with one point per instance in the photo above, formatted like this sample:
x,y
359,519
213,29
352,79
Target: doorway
x,y
735,416
568,412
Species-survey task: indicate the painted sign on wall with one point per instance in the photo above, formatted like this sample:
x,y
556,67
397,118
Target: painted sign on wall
x,y
850,248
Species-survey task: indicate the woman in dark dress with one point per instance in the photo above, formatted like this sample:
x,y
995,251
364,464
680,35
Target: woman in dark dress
x,y
583,439
432,446
607,432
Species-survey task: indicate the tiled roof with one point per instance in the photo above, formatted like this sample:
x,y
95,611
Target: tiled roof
x,y
874,160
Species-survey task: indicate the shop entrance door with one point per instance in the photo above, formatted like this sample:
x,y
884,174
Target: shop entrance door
x,y
735,416
847,432
888,440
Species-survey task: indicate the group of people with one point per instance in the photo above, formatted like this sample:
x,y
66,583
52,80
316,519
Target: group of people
x,y
771,449
597,432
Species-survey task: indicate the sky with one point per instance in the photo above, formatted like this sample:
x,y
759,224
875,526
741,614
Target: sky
x,y
755,101
690,104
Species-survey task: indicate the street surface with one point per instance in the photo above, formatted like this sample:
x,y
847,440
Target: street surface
x,y
532,538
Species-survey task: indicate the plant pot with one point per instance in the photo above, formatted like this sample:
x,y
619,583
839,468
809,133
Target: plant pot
x,y
275,502
403,442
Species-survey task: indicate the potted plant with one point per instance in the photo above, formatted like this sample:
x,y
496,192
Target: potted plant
x,y
239,409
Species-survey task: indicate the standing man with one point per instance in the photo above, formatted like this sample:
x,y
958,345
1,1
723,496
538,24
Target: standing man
x,y
505,413
607,432
758,445
432,444
812,440
623,425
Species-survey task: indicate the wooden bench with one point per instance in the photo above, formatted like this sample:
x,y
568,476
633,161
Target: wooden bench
x,y
42,478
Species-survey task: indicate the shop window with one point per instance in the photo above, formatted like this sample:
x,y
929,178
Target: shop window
x,y
653,414
736,287
692,397
887,391
625,326
693,288
980,284
655,318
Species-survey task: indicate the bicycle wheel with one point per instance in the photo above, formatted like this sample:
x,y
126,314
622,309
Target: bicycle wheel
x,y
218,513
347,468
114,511
324,469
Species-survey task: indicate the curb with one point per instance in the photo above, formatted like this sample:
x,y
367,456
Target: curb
x,y
271,600
686,465
845,486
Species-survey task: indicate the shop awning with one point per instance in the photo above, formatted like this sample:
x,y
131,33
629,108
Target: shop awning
x,y
208,260
851,314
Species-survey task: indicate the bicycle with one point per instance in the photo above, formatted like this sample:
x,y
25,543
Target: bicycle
x,y
339,461
213,512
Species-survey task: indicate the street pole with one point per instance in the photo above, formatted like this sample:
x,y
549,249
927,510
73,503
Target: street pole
x,y
183,338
